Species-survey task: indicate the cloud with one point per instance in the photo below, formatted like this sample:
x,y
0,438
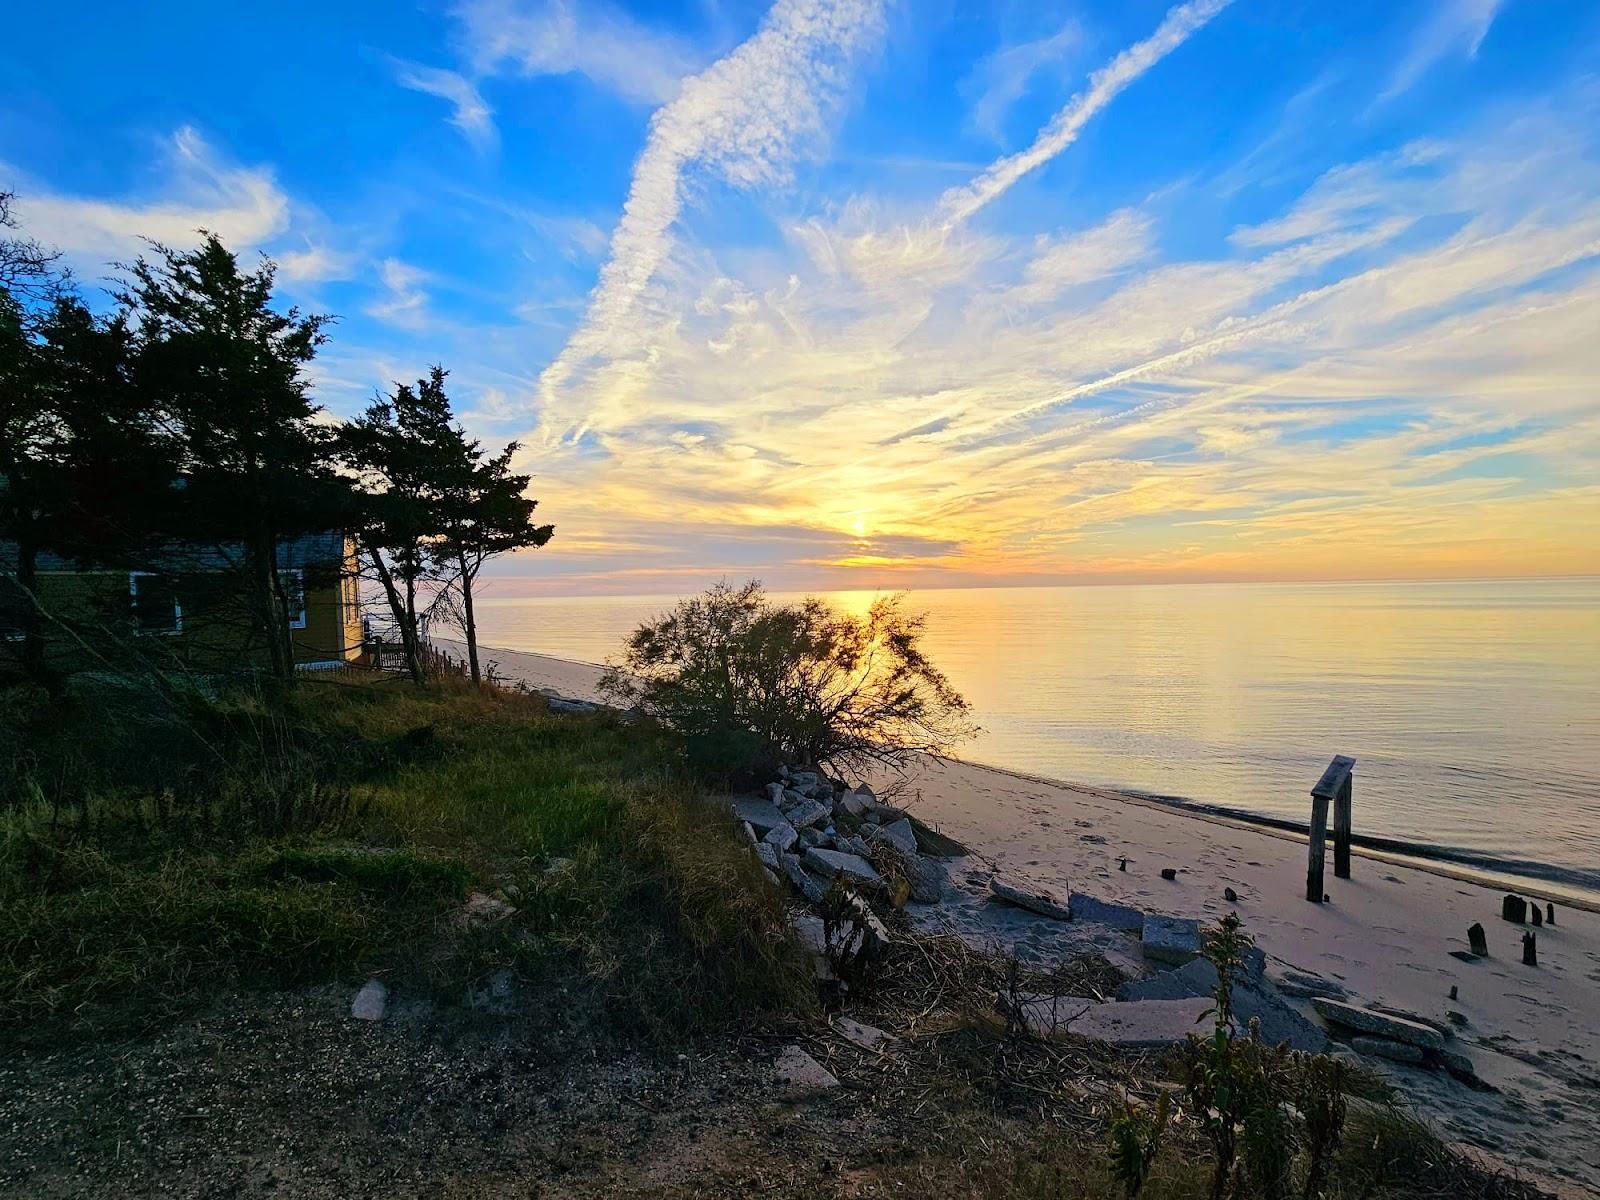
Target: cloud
x,y
561,37
1000,79
960,203
201,190
403,303
1456,27
740,120
1397,358
316,263
471,113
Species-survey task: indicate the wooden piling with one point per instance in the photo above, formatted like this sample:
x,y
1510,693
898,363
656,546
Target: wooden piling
x,y
1334,787
1341,828
1319,847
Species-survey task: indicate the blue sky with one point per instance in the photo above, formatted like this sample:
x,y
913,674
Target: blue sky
x,y
865,293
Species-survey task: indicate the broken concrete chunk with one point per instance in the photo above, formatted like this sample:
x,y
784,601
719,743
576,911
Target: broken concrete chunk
x,y
1459,1065
838,862
1103,912
927,877
853,845
807,884
811,930
1171,939
1364,1020
868,1037
1034,899
759,813
573,707
369,1002
1276,1019
768,854
858,803
900,835
1303,985
781,837
774,793
1382,1047
935,844
808,813
801,1074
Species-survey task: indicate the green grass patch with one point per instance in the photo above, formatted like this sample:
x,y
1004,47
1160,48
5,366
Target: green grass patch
x,y
130,899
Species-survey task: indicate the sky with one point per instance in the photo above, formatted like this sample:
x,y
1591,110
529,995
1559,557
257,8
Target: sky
x,y
902,293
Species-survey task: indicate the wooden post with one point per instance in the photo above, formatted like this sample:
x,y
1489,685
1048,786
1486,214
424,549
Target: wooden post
x,y
1334,787
1319,847
1341,828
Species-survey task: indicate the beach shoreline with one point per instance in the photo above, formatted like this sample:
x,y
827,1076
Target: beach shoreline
x,y
1418,856
1388,936
576,679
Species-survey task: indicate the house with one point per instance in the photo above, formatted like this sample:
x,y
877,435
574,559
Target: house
x,y
185,605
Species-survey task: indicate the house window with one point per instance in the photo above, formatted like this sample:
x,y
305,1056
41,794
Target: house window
x,y
155,603
294,595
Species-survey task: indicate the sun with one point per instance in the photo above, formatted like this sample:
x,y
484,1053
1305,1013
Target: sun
x,y
860,526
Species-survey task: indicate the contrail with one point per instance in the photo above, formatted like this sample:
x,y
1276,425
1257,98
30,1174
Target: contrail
x,y
959,203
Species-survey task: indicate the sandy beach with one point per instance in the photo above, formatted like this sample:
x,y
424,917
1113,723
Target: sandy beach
x,y
1384,937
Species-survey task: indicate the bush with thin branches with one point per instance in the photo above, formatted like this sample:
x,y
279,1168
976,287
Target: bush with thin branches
x,y
751,683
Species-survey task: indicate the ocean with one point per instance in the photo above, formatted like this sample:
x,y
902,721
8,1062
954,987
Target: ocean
x,y
1472,708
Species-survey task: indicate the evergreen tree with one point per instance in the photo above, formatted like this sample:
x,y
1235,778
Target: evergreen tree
x,y
486,514
229,369
83,465
403,449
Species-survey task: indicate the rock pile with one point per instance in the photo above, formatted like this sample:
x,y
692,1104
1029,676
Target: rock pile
x,y
808,829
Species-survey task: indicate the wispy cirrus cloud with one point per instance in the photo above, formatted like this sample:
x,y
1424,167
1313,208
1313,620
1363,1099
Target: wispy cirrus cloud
x,y
1396,358
740,120
1003,77
470,113
197,189
193,186
1454,27
403,301
583,37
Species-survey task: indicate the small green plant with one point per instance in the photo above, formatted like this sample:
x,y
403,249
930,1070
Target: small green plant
x,y
1321,1084
1212,1068
1136,1134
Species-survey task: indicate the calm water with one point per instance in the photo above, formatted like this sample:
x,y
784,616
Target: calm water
x,y
1472,709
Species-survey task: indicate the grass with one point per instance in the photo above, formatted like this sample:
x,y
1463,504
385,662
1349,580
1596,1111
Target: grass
x,y
335,831
125,904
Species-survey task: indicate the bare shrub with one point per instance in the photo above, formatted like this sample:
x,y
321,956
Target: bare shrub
x,y
750,683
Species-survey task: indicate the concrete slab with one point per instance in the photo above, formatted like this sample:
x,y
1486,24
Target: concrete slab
x,y
1103,912
1364,1020
761,814
1382,1047
1035,899
1171,939
836,862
